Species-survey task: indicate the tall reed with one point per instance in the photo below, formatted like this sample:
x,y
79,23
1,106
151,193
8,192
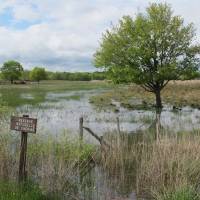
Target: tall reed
x,y
155,166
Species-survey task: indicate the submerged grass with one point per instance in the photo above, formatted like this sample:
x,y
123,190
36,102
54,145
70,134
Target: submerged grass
x,y
16,95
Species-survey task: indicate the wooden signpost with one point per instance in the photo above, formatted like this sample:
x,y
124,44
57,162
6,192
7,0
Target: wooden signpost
x,y
25,125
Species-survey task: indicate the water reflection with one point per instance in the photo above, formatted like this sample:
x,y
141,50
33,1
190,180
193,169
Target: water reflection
x,y
62,111
97,185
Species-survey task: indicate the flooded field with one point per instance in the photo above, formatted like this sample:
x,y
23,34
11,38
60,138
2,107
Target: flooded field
x,y
58,113
61,111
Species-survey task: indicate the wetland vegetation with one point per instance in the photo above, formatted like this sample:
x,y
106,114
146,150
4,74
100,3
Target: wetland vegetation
x,y
130,167
177,94
144,139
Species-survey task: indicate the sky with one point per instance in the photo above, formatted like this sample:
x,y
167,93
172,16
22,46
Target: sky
x,y
63,35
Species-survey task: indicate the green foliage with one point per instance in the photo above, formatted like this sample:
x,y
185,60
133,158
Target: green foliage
x,y
150,49
98,76
76,76
66,149
12,191
38,74
11,70
4,108
79,76
184,193
26,75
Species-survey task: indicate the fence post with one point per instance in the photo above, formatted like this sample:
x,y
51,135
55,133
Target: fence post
x,y
22,162
81,130
118,125
158,126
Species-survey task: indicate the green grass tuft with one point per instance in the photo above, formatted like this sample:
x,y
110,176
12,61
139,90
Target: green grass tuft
x,y
184,193
13,191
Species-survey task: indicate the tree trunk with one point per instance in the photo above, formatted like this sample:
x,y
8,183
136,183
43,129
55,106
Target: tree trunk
x,y
158,101
11,81
158,113
158,125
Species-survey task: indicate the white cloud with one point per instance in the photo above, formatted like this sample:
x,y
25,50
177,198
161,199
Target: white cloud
x,y
25,12
64,34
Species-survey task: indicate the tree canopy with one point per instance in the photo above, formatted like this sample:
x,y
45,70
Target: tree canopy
x,y
11,70
38,74
150,50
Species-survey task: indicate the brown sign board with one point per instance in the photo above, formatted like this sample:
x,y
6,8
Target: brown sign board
x,y
23,124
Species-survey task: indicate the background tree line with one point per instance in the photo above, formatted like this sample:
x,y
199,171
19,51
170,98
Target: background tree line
x,y
76,76
13,71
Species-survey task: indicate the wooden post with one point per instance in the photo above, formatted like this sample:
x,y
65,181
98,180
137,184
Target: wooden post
x,y
158,127
23,152
80,146
119,132
81,130
118,125
25,125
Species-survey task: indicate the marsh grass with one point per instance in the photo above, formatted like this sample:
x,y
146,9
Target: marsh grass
x,y
145,119
183,193
52,163
136,162
168,169
164,168
177,93
169,164
27,191
73,97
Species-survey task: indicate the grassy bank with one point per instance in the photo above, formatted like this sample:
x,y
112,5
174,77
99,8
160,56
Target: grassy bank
x,y
177,93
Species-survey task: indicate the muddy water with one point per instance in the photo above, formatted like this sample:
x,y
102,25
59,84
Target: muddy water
x,y
62,112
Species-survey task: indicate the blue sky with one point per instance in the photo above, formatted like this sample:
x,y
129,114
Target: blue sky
x,y
62,35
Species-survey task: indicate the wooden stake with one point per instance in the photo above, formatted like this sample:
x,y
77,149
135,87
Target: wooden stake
x,y
81,130
158,127
118,125
23,152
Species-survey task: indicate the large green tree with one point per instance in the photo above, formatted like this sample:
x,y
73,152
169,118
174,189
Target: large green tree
x,y
149,50
11,70
38,74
